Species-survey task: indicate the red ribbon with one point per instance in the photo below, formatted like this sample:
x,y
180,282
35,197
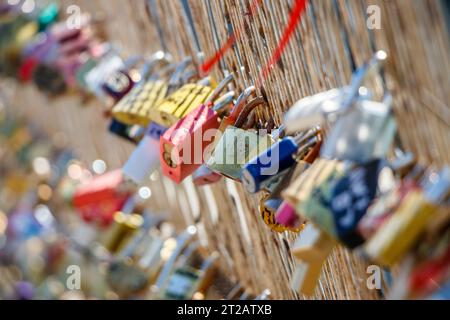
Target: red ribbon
x,y
294,19
210,63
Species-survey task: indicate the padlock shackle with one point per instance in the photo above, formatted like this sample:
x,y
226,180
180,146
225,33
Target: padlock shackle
x,y
304,150
206,81
360,76
279,132
175,79
305,136
156,58
243,115
240,102
223,102
220,87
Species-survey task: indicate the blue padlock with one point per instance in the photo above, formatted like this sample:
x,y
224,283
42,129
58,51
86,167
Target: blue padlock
x,y
281,156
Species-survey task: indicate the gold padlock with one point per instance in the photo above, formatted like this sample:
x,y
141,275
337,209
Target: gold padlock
x,y
123,228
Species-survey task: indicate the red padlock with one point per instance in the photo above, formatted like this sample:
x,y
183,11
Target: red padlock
x,y
182,145
100,197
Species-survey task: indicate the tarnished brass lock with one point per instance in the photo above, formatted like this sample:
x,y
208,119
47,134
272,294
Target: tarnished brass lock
x,y
182,145
237,145
124,227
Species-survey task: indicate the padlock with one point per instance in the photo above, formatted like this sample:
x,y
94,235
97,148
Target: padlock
x,y
48,13
431,259
362,134
310,250
192,278
326,106
236,145
137,263
72,53
106,65
403,229
145,158
120,82
123,228
203,176
351,196
140,105
301,188
286,216
131,133
182,145
181,102
173,255
68,51
279,157
384,207
15,34
340,200
270,203
100,197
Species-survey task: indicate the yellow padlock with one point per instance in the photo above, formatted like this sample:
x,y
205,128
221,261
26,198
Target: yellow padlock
x,y
402,231
300,189
311,249
180,103
137,106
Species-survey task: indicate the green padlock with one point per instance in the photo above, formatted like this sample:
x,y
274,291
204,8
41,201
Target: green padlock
x,y
236,145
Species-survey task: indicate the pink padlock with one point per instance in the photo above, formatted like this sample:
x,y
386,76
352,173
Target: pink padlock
x,y
287,216
182,146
